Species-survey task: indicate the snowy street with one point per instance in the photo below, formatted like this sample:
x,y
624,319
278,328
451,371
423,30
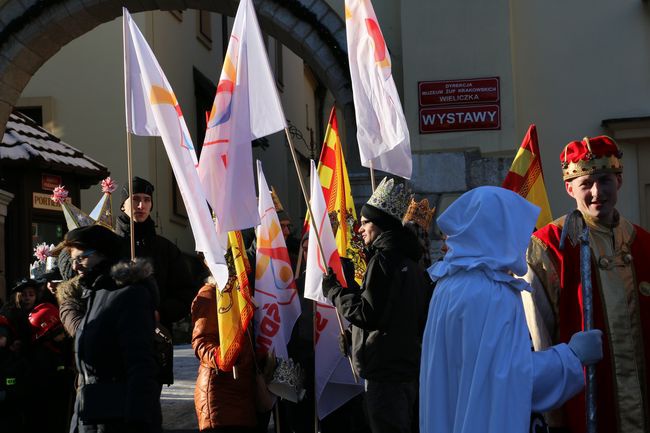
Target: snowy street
x,y
177,400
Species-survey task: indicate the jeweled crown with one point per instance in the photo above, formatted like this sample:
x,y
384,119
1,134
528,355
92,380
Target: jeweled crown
x,y
420,213
392,198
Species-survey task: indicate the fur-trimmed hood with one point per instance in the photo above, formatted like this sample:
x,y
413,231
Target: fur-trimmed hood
x,y
68,289
130,272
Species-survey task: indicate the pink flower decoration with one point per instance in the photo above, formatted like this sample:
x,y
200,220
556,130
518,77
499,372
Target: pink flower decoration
x,y
108,186
43,251
59,194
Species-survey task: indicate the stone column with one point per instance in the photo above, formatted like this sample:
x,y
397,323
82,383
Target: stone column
x,y
5,199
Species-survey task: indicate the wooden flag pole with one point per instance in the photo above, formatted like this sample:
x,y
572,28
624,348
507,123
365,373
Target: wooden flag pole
x,y
129,169
314,311
129,119
320,245
373,183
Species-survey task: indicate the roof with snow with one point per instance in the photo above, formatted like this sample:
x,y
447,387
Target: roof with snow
x,y
26,142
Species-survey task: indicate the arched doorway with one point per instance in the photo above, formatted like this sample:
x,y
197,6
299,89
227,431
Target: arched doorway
x,y
33,31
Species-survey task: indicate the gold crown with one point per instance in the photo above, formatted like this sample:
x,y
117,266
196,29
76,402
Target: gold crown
x,y
420,213
591,163
276,200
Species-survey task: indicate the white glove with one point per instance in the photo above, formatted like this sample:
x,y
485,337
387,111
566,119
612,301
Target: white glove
x,y
587,346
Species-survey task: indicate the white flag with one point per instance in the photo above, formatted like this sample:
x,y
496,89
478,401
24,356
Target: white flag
x,y
335,383
152,110
382,132
246,107
275,287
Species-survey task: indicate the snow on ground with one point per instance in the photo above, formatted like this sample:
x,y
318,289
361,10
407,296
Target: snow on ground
x,y
177,400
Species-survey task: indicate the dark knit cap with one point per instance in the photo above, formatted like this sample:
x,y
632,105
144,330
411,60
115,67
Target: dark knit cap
x,y
380,218
95,237
65,265
140,186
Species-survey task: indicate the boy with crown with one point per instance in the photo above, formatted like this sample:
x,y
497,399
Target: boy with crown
x,y
592,172
387,312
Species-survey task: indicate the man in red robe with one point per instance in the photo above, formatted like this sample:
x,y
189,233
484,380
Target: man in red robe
x,y
620,253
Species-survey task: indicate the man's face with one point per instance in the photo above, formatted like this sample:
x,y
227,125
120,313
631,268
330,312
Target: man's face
x,y
368,231
141,207
83,261
286,228
596,195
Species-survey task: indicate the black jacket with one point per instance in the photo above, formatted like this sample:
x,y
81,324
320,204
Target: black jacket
x,y
388,312
114,344
175,284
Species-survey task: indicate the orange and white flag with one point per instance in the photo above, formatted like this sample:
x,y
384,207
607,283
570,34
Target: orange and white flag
x,y
153,110
275,287
335,383
382,133
246,107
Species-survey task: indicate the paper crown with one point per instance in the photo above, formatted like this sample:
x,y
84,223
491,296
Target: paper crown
x,y
287,381
44,263
591,156
420,213
102,213
276,200
391,198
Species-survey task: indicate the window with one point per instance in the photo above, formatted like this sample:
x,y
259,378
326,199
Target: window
x,y
204,28
39,109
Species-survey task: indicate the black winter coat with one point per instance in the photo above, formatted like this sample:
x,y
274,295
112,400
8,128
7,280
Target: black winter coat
x,y
114,345
388,312
175,283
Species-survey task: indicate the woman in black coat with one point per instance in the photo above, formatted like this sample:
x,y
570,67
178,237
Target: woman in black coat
x,y
114,343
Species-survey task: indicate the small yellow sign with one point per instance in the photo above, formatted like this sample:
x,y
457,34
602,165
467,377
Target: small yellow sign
x,y
44,201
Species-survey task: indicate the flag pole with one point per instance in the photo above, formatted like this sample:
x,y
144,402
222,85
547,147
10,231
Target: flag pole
x,y
314,312
320,245
129,169
129,163
372,176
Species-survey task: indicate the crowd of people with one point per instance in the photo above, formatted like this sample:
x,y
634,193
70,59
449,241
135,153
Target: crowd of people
x,y
487,338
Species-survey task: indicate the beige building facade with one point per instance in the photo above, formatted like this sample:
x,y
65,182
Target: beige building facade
x,y
580,71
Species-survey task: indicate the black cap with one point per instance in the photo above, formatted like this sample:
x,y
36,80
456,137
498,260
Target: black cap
x,y
25,283
140,186
380,218
95,237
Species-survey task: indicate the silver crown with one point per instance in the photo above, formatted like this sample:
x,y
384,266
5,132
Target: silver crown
x,y
391,198
287,381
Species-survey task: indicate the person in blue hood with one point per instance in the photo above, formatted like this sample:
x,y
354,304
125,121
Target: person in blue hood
x,y
478,373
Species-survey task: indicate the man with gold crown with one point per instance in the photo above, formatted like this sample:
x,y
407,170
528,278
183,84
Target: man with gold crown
x,y
593,174
387,312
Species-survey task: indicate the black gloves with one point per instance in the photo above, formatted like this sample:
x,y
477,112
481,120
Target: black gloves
x,y
345,340
329,282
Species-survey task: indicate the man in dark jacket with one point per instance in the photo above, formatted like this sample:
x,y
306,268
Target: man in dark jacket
x,y
118,390
170,270
387,312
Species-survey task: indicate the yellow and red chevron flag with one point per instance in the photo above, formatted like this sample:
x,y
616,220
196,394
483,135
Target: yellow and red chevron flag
x,y
526,177
234,306
333,175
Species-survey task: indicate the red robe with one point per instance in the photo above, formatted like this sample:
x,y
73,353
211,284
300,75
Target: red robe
x,y
622,376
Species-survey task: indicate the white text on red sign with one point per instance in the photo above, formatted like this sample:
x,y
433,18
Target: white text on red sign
x,y
460,118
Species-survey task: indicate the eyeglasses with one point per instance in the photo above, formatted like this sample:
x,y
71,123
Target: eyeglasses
x,y
77,260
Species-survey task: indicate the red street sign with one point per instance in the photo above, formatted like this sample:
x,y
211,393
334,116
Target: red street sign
x,y
50,181
454,92
459,118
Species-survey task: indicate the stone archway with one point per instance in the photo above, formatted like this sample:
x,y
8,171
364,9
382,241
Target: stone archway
x,y
35,30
